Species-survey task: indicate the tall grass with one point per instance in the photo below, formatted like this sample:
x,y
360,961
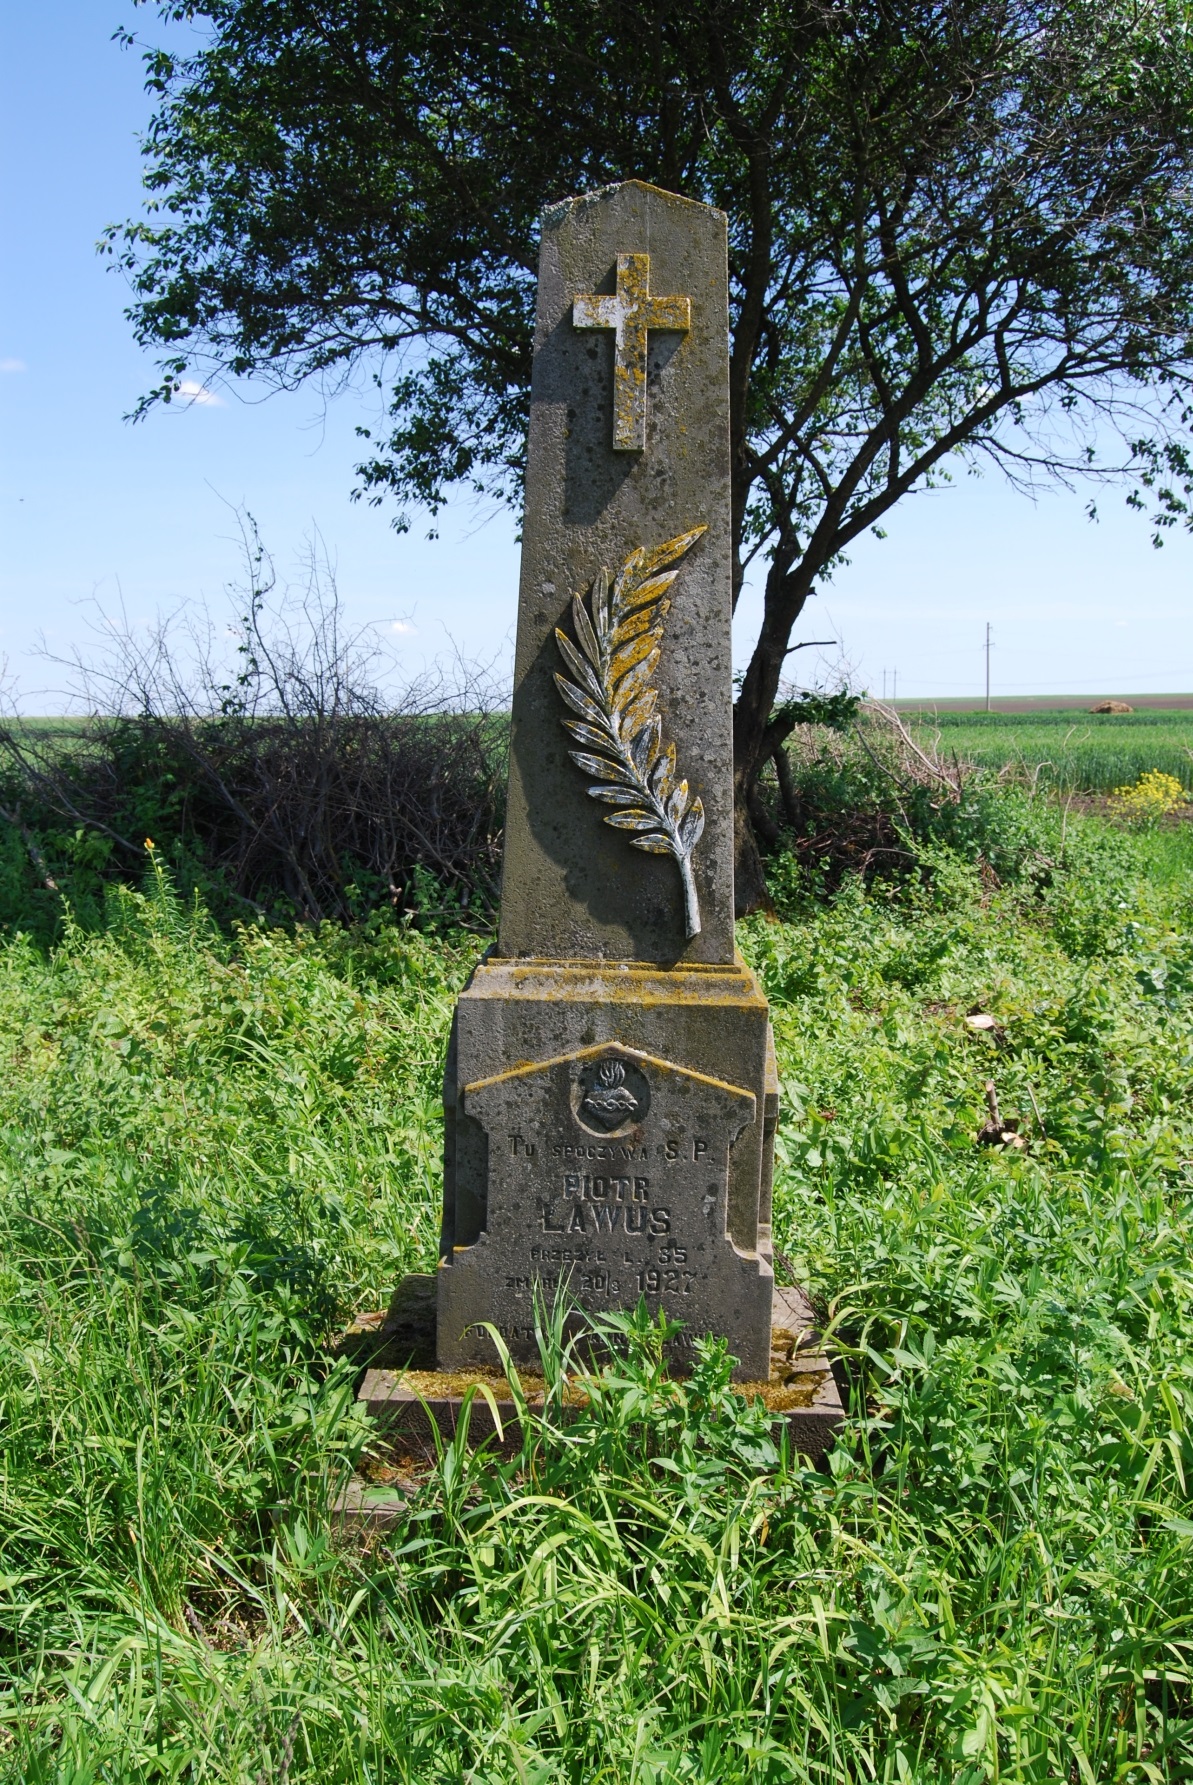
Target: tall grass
x,y
211,1149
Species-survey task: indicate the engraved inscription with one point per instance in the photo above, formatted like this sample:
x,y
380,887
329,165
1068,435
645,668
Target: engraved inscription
x,y
616,651
604,1218
630,312
576,1183
652,1282
607,1218
592,1201
574,1150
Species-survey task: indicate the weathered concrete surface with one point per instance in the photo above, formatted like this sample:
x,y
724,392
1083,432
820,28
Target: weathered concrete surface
x,y
400,1337
697,1068
572,885
372,1506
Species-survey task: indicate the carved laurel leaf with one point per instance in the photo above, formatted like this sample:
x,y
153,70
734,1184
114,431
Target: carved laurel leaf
x,y
634,578
637,720
585,734
638,648
600,603
677,805
639,622
635,682
651,591
613,796
579,702
613,657
692,828
585,634
602,767
589,680
663,773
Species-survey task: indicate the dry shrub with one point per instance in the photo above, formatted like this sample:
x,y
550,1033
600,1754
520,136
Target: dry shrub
x,y
270,765
853,798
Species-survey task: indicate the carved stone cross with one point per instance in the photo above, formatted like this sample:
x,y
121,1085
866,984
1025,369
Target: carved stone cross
x,y
631,312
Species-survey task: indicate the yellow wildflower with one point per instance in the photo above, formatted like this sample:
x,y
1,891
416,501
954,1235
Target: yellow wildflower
x,y
1151,798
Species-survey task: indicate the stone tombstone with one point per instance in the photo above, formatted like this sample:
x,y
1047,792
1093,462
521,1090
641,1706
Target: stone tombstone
x,y
610,1094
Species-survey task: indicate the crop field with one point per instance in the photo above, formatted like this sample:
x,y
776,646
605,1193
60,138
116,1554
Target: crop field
x,y
215,1147
1068,751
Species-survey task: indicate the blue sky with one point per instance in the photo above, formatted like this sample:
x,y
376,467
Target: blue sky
x,y
96,512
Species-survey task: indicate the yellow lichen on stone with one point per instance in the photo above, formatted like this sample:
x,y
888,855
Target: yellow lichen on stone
x,y
630,312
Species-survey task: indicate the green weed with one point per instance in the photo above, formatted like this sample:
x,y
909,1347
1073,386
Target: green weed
x,y
211,1148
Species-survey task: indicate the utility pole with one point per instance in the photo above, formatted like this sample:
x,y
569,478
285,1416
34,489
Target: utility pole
x,y
884,685
987,666
894,686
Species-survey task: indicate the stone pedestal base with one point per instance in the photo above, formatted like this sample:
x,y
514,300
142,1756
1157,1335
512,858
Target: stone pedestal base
x,y
417,1408
609,1137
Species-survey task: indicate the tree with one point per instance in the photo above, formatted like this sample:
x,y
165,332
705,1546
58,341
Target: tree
x,y
959,229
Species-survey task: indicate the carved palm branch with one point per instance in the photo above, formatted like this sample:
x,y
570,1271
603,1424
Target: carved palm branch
x,y
613,658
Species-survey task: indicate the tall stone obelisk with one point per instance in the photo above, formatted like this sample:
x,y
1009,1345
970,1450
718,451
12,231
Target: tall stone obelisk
x,y
610,1097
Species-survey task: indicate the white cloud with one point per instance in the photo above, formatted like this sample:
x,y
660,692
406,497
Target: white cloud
x,y
198,393
12,365
402,626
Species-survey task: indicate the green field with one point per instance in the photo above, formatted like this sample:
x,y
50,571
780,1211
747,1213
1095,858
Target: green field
x,y
1069,751
215,1148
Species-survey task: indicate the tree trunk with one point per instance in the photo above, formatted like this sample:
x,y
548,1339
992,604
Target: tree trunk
x,y
755,735
750,892
787,793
